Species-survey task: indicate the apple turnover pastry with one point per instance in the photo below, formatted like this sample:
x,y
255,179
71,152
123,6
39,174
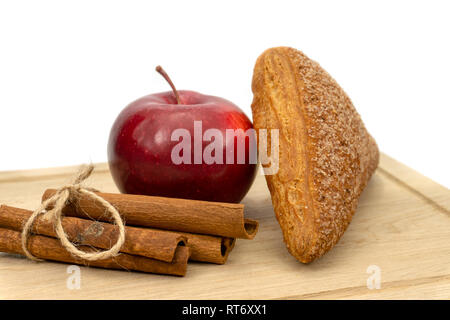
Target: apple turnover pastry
x,y
326,156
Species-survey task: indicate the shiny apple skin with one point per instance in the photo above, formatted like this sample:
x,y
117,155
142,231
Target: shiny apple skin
x,y
140,147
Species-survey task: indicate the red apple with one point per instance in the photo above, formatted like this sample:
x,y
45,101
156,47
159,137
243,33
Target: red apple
x,y
144,135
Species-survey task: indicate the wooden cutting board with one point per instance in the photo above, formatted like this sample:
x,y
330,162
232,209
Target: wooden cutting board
x,y
401,230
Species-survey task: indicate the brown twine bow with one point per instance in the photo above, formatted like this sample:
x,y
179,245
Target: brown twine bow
x,y
57,203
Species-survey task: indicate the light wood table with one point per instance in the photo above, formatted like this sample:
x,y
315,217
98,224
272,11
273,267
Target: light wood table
x,y
402,227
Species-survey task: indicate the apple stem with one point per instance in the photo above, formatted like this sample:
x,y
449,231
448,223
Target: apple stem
x,y
161,71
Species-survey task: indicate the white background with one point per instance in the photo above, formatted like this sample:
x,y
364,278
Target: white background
x,y
68,68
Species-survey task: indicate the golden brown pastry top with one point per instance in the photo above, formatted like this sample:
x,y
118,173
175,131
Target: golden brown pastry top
x,y
326,154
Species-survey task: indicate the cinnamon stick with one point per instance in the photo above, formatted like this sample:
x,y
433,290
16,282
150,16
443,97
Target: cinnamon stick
x,y
151,243
50,249
193,216
207,248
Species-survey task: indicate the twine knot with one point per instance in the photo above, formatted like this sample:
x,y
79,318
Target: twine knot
x,y
52,210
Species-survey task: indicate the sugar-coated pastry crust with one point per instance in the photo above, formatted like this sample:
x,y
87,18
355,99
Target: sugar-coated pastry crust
x,y
326,154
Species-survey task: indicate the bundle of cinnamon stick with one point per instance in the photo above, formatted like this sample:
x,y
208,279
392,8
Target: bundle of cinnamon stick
x,y
161,234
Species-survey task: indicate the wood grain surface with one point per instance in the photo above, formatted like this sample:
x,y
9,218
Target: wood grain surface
x,y
402,226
